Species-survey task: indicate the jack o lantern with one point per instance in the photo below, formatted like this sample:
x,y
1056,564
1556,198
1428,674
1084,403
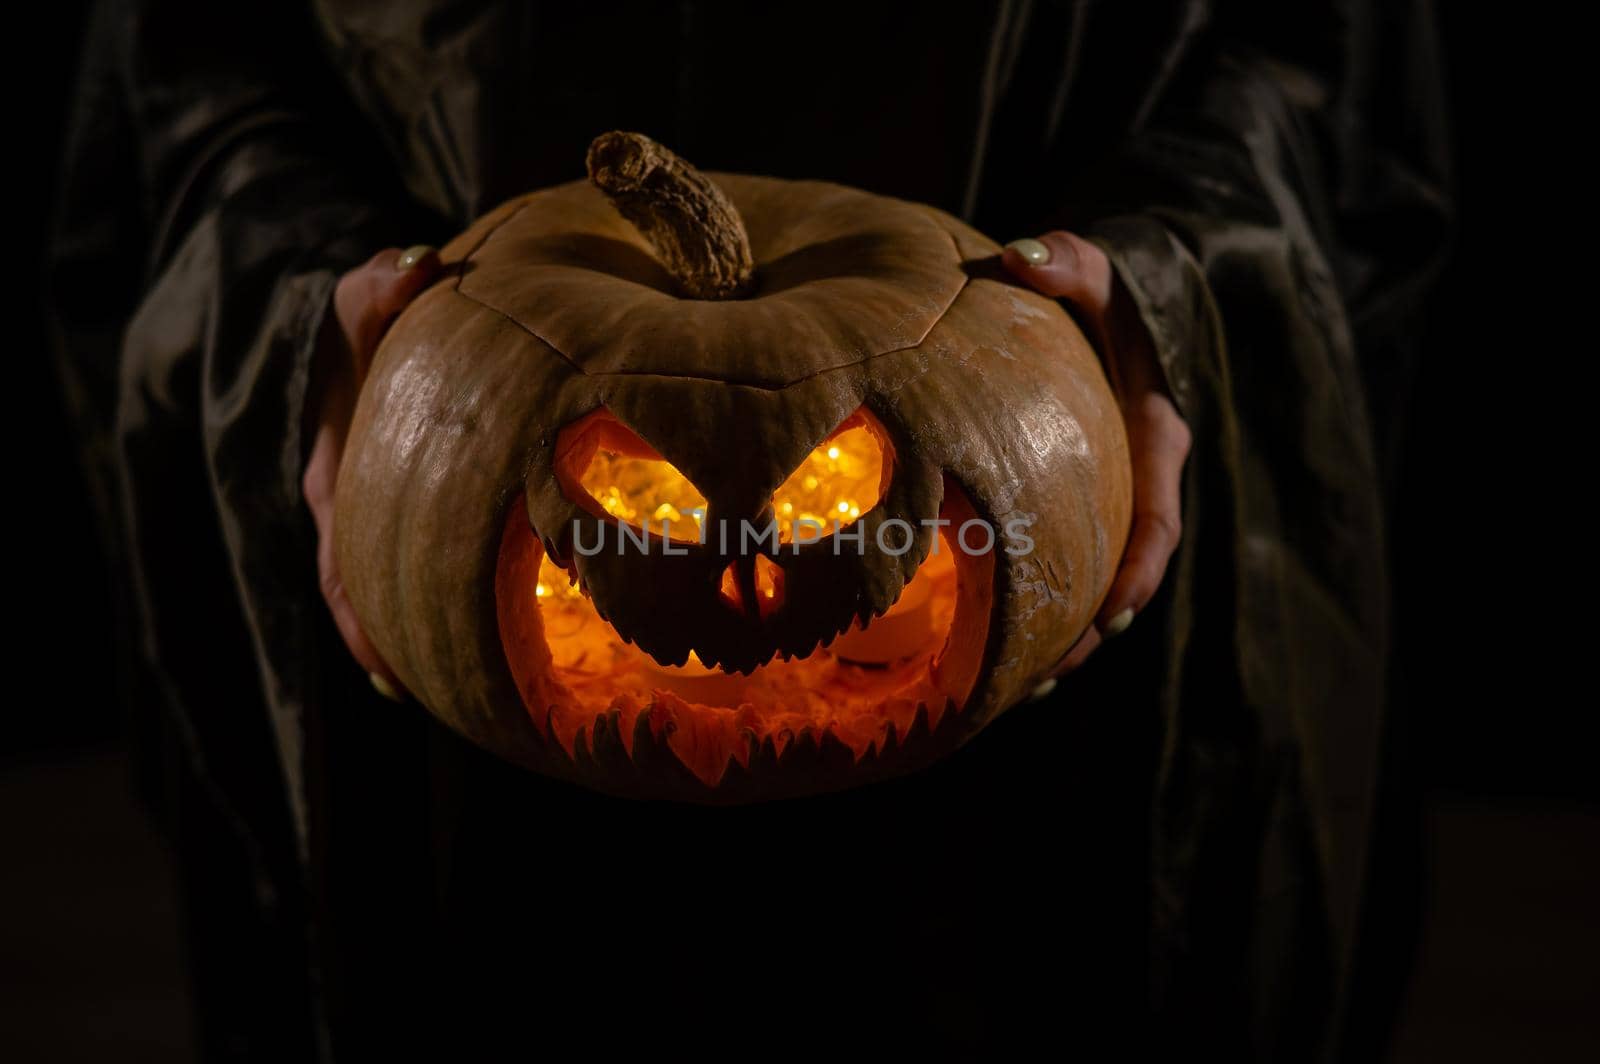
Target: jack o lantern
x,y
725,488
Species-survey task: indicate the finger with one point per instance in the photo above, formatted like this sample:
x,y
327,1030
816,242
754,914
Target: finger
x,y
369,297
317,482
1086,644
1043,690
317,485
1063,266
1158,444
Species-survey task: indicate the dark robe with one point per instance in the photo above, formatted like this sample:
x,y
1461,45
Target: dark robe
x,y
1168,852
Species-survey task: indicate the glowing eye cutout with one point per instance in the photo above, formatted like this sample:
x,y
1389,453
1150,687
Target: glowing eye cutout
x,y
839,481
645,492
629,480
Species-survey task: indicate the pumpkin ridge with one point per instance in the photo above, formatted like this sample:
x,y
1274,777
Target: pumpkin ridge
x,y
805,378
509,320
755,385
825,308
461,266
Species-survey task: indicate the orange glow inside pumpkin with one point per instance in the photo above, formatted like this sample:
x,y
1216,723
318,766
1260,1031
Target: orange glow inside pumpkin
x,y
572,667
585,648
839,481
642,490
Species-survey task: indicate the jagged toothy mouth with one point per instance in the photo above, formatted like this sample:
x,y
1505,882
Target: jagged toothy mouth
x,y
864,686
918,623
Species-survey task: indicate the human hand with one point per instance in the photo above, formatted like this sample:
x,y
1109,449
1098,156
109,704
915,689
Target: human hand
x,y
1064,266
365,301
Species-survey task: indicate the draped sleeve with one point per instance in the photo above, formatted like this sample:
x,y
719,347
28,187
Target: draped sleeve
x,y
216,184
1275,212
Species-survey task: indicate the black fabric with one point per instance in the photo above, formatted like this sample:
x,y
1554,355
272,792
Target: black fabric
x,y
1169,851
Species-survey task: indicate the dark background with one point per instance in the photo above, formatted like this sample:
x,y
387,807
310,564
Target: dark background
x,y
1483,932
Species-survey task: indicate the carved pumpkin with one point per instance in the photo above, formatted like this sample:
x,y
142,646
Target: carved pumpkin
x,y
718,352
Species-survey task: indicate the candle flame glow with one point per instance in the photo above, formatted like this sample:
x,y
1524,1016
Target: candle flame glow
x,y
838,481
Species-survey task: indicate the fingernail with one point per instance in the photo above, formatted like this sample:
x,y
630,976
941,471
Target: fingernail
x,y
384,687
1118,624
1035,251
1043,690
411,256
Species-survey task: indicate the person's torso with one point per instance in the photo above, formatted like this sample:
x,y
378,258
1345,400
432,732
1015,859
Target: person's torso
x,y
966,107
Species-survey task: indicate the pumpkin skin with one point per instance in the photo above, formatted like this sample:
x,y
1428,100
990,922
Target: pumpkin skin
x,y
460,474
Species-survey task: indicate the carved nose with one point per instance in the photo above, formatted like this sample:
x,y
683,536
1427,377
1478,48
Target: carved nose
x,y
753,586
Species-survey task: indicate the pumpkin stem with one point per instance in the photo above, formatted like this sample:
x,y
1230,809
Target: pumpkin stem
x,y
695,230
